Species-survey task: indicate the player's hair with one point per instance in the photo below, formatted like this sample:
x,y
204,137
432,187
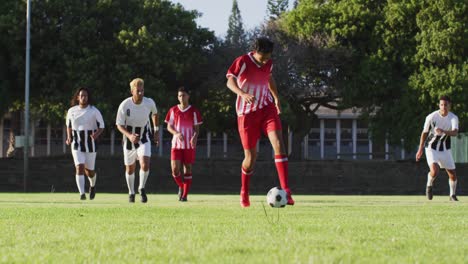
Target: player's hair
x,y
445,98
183,89
74,101
263,45
135,82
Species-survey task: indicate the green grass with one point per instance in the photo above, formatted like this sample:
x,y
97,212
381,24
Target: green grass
x,y
59,228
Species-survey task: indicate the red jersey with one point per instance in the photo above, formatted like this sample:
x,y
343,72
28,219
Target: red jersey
x,y
252,78
183,121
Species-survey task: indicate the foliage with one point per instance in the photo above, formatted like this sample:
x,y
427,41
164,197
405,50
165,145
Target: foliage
x,y
104,45
404,55
236,33
275,8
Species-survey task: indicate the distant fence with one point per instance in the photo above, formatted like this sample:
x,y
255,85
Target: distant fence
x,y
460,148
50,141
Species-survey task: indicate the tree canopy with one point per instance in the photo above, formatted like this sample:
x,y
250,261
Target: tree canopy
x,y
403,56
392,59
102,45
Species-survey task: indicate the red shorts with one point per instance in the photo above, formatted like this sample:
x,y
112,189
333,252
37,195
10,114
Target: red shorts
x,y
253,124
186,156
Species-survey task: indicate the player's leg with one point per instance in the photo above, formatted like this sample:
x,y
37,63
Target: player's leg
x,y
448,163
281,161
91,173
130,165
250,157
80,180
431,176
187,160
176,167
452,184
130,177
187,173
144,172
144,154
79,160
432,162
249,127
272,127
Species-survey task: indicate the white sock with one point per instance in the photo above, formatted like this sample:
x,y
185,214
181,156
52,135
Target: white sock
x,y
80,182
92,181
453,187
143,178
430,179
130,182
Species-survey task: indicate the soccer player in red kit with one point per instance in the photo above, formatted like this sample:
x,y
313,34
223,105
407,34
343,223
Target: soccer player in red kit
x,y
183,122
258,109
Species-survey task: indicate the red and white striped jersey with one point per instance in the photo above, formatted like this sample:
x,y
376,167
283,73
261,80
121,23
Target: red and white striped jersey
x,y
184,122
253,79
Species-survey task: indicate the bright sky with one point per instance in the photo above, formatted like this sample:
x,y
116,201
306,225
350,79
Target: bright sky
x,y
215,13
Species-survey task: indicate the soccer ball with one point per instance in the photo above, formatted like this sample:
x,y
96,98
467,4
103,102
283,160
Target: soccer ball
x,y
276,197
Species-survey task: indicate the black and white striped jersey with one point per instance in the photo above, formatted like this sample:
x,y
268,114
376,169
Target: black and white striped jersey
x,y
136,119
440,142
84,122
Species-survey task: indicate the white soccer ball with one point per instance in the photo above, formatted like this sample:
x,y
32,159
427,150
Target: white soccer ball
x,y
276,197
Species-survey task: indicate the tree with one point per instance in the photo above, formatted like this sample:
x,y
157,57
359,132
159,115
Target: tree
x,y
235,34
275,8
403,56
102,45
296,2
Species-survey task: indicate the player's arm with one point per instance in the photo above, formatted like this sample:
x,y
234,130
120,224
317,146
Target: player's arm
x,y
193,140
69,136
69,129
100,128
155,119
134,138
421,145
97,133
274,92
450,133
232,85
174,132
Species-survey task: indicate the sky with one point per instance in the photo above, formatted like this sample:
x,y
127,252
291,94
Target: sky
x,y
215,13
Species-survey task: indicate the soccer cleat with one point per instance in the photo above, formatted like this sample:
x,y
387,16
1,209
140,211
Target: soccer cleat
x,y
183,199
92,192
83,197
453,198
131,198
244,199
144,198
290,199
429,192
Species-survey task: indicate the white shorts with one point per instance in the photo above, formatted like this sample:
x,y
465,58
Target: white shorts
x,y
443,158
130,156
86,158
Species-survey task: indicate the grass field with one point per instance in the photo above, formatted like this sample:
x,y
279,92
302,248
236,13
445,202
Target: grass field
x,y
59,228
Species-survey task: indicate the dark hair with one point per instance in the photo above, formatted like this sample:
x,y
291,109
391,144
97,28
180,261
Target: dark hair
x,y
263,45
445,98
74,101
183,89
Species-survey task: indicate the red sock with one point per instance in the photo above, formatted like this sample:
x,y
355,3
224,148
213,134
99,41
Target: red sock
x,y
178,180
187,184
281,162
245,180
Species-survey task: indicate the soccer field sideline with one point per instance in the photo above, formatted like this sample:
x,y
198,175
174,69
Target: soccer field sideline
x,y
58,227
